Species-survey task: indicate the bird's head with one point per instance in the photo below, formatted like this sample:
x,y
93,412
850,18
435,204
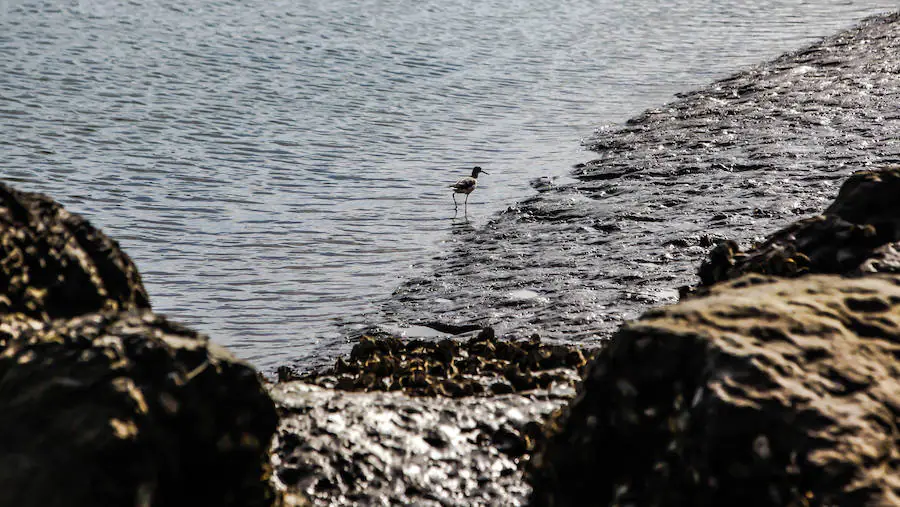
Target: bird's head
x,y
476,171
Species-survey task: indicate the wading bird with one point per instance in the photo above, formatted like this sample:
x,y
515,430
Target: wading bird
x,y
466,186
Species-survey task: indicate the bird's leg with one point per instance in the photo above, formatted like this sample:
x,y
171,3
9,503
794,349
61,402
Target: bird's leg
x,y
455,205
467,201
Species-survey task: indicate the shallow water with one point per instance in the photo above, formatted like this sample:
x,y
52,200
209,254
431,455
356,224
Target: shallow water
x,y
276,169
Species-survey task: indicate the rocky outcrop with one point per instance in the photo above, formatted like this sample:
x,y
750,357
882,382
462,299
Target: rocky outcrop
x,y
757,391
426,423
481,365
764,392
854,235
377,448
103,402
54,264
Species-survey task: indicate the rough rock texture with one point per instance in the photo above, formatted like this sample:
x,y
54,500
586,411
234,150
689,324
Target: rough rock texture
x,y
481,365
54,264
854,235
102,402
414,446
356,448
128,409
738,158
765,392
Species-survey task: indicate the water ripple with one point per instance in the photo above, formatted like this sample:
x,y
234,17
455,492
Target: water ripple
x,y
276,168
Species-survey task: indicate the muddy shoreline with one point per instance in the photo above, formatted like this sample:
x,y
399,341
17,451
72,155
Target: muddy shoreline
x,y
734,160
739,157
775,379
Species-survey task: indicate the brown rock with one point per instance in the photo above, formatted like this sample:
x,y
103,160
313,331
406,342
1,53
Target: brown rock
x,y
54,264
764,392
128,409
851,236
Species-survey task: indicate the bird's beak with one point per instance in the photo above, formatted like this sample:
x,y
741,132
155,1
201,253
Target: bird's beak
x,y
484,172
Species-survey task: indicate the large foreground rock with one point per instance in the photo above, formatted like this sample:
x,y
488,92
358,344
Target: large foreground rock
x,y
128,409
764,392
103,402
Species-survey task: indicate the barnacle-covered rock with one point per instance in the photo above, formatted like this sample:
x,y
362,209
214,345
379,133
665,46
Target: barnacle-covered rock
x,y
54,264
482,365
127,408
849,238
766,391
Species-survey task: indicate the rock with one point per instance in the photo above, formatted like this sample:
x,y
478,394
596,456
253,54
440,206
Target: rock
x,y
850,237
884,259
127,408
56,265
870,197
376,448
479,366
766,391
427,423
103,402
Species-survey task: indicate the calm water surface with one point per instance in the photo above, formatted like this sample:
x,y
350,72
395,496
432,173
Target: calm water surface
x,y
276,168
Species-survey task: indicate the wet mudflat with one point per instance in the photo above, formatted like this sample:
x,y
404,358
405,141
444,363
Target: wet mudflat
x,y
734,159
738,159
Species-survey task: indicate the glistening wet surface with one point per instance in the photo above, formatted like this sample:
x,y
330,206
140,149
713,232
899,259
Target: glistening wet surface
x,y
737,159
276,169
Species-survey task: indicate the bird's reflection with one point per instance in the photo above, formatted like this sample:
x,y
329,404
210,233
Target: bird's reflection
x,y
461,225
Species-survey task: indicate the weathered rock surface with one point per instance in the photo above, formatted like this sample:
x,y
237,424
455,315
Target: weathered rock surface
x,y
54,264
376,448
764,392
103,402
128,409
415,445
854,235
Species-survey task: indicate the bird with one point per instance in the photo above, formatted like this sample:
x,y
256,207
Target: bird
x,y
466,186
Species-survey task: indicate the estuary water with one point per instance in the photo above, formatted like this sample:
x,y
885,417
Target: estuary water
x,y
276,169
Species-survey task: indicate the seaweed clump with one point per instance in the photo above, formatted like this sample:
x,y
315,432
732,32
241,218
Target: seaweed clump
x,y
480,366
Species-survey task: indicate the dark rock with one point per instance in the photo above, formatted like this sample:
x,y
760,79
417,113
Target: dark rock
x,y
764,392
102,402
851,237
870,197
56,265
128,408
480,365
